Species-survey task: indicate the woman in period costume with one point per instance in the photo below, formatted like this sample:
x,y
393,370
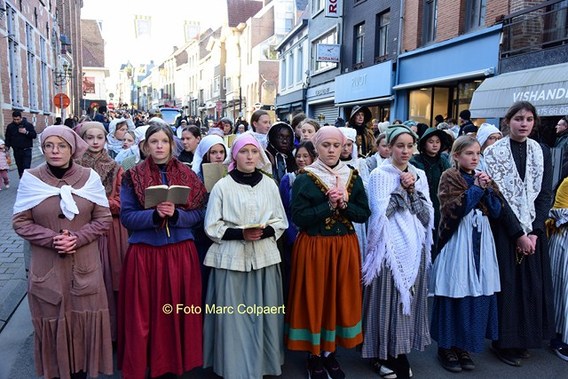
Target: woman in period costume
x,y
244,219
161,267
465,275
211,149
325,289
522,169
395,315
113,244
557,228
66,290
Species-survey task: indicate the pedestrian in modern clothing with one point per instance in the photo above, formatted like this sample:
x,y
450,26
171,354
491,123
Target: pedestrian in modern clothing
x,y
325,289
557,228
562,133
465,273
4,166
161,267
20,135
308,127
114,243
521,168
62,210
395,314
244,221
466,126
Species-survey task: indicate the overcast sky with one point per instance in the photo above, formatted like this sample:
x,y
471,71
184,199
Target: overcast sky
x,y
167,25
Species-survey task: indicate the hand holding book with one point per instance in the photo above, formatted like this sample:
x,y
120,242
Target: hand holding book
x,y
174,194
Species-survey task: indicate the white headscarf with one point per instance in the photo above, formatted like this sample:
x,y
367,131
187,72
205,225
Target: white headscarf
x,y
484,131
204,145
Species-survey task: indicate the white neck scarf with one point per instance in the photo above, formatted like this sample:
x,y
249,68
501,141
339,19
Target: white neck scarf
x,y
520,195
338,176
32,191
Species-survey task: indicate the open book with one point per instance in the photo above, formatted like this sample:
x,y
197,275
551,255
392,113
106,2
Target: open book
x,y
212,172
255,226
155,195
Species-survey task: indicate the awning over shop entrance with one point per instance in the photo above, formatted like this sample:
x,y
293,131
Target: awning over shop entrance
x,y
545,87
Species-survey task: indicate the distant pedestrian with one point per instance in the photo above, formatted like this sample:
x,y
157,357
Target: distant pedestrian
x,y
359,119
466,125
62,210
562,133
19,136
4,166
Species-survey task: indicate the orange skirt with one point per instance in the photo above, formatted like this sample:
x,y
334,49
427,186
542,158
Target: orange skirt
x,y
324,305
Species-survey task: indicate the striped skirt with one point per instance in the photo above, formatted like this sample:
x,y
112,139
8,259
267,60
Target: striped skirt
x,y
324,305
387,331
558,251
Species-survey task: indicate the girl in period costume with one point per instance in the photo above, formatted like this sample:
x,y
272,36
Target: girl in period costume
x,y
465,275
245,270
382,154
113,244
395,319
305,155
431,160
66,290
116,132
557,226
279,150
486,135
523,171
324,306
129,156
161,267
211,149
360,117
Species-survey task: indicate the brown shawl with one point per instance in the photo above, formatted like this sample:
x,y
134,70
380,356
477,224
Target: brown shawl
x,y
148,174
104,165
451,193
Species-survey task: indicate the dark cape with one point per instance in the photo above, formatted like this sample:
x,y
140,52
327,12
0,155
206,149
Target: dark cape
x,y
526,314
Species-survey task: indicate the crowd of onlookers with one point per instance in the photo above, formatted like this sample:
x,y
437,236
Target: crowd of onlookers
x,y
311,237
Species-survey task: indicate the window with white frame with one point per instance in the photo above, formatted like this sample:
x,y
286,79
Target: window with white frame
x,y
13,57
359,43
328,38
291,68
317,5
228,84
475,14
300,64
32,77
383,21
216,85
44,75
283,69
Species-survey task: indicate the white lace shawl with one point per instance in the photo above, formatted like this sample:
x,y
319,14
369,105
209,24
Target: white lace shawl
x,y
397,241
32,191
519,195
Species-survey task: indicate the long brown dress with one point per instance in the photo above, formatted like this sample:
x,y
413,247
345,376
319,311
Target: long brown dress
x,y
67,296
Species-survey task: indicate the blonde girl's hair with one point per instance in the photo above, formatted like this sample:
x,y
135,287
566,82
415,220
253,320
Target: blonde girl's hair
x,y
460,144
312,122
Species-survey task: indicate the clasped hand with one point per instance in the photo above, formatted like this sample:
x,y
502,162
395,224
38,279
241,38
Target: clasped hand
x,y
336,197
252,234
166,209
407,180
482,180
526,244
65,243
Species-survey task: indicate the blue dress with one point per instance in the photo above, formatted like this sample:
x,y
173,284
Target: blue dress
x,y
465,277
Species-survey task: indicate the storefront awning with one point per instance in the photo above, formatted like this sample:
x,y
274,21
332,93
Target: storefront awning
x,y
545,87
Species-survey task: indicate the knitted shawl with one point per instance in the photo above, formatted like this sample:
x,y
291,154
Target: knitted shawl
x,y
399,240
104,165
